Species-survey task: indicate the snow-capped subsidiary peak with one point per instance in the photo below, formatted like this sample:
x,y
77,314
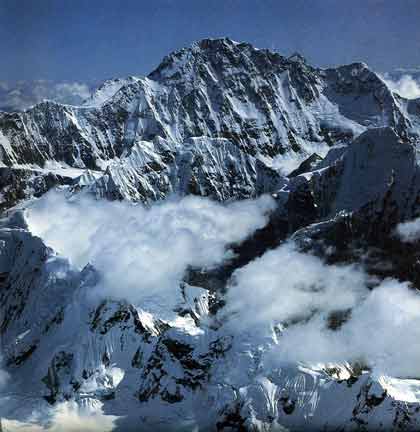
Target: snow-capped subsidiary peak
x,y
377,166
377,106
106,90
376,162
297,57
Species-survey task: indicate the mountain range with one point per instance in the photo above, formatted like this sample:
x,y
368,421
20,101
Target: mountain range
x,y
268,211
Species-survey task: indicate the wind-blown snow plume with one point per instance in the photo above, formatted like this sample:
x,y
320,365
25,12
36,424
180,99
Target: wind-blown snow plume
x,y
141,252
327,313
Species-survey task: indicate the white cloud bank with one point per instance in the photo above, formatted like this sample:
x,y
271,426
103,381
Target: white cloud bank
x,y
406,86
143,252
409,231
285,285
21,95
4,376
65,417
288,287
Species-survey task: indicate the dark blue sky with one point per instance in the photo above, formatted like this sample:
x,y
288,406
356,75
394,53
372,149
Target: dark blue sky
x,y
97,39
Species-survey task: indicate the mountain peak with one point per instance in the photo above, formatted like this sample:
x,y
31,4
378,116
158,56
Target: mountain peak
x,y
108,89
296,57
216,43
220,53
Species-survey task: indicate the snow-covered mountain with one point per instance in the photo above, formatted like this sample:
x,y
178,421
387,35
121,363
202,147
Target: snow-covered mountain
x,y
275,111
233,245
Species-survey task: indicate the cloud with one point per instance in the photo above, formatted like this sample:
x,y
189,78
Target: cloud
x,y
67,92
409,231
65,417
285,285
140,252
383,333
288,162
406,86
24,94
4,376
300,292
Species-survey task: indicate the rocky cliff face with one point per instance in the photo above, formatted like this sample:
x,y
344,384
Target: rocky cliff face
x,y
335,148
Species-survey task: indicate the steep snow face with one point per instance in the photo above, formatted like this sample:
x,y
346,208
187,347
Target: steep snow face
x,y
376,173
211,167
375,163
